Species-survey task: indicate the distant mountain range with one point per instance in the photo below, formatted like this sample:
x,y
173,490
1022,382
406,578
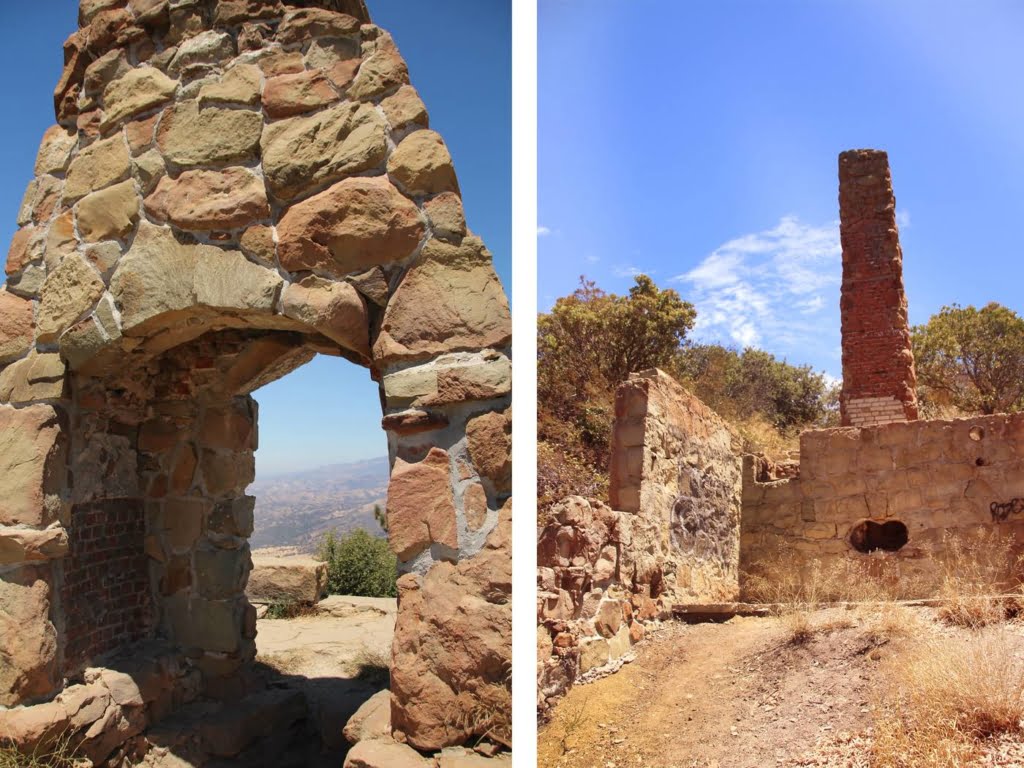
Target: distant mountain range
x,y
295,509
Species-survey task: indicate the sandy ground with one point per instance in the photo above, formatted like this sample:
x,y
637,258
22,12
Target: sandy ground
x,y
732,695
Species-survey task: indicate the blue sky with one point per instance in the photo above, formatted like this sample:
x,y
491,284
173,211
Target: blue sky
x,y
698,142
459,56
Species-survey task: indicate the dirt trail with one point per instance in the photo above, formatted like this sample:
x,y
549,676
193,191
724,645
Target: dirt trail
x,y
731,695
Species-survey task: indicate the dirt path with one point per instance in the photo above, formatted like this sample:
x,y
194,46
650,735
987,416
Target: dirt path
x,y
732,695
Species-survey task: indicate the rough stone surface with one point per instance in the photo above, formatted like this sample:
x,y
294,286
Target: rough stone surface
x,y
189,136
28,640
32,453
372,720
16,327
68,292
490,446
421,164
404,106
295,579
239,85
381,753
474,314
334,309
99,165
302,153
139,90
109,214
202,200
420,508
288,95
55,150
355,224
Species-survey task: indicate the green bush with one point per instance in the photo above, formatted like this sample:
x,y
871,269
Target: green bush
x,y
359,564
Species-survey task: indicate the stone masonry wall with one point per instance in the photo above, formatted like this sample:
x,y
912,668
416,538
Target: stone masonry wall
x,y
878,364
232,187
675,464
934,477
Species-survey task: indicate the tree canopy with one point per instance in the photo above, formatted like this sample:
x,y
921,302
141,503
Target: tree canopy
x,y
972,358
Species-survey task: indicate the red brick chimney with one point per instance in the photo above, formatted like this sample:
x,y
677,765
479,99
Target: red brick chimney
x,y
878,363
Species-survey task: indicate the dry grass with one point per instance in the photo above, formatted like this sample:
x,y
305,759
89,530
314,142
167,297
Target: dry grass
x,y
977,567
485,712
950,695
61,755
289,609
372,665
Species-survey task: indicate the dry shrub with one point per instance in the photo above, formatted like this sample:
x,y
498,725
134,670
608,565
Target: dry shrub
x,y
950,695
489,714
60,755
760,435
979,567
890,621
372,665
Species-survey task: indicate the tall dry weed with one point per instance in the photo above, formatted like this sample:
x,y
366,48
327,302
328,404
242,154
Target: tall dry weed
x,y
949,695
979,569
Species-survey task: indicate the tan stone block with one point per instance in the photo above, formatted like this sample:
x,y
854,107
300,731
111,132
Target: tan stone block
x,y
372,720
210,200
489,440
594,652
99,165
68,293
227,280
189,136
221,573
819,530
40,200
381,71
380,753
335,309
275,61
200,53
28,640
184,469
356,224
239,85
183,522
420,507
300,25
19,545
228,427
301,153
227,474
293,94
257,242
446,215
468,308
404,106
296,579
149,169
109,214
139,90
474,504
55,150
421,164
17,331
140,134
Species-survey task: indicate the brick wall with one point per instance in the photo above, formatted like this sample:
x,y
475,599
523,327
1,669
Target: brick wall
x,y
878,364
106,593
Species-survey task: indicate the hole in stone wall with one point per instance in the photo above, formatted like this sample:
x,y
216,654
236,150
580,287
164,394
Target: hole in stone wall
x,y
868,535
976,433
980,462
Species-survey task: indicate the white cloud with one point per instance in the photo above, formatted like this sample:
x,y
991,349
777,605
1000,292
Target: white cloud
x,y
630,271
591,258
903,219
542,231
777,289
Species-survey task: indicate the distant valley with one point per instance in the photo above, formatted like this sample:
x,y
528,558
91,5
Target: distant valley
x,y
293,510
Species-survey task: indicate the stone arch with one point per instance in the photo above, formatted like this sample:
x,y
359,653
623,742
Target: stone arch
x,y
231,188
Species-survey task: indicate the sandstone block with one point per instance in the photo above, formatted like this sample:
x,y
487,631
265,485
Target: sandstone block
x,y
227,474
372,720
446,215
594,653
28,640
468,307
226,279
489,438
335,309
228,427
450,379
420,507
404,106
139,90
296,579
40,200
205,200
382,70
288,95
239,85
68,292
19,545
452,646
257,242
36,377
16,327
608,618
304,152
412,421
55,150
220,573
474,504
384,753
199,53
99,165
140,133
421,164
149,169
232,12
355,224
300,25
109,214
189,136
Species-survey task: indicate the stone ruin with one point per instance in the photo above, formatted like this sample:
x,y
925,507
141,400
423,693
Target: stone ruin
x,y
691,515
232,187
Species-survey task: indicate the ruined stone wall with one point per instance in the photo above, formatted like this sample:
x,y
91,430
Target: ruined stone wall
x,y
670,535
675,464
933,477
879,383
232,187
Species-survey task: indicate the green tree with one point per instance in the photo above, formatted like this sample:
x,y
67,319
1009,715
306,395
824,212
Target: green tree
x,y
381,517
359,564
587,345
972,358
